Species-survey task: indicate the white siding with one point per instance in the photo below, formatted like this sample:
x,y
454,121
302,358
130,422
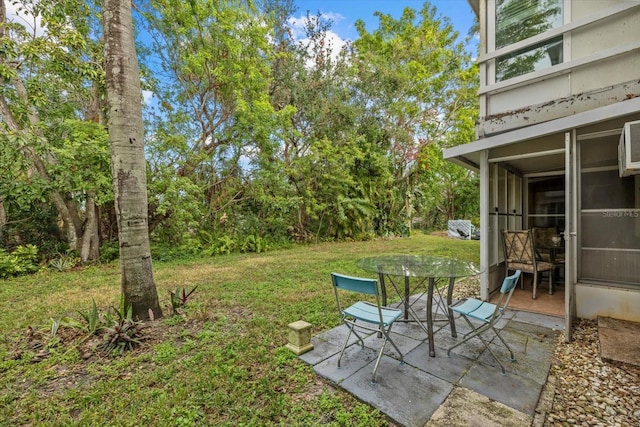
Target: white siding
x,y
602,66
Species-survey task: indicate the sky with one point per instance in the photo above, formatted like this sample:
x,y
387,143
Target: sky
x,y
344,13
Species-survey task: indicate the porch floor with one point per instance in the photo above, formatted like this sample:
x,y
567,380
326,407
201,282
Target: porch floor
x,y
552,305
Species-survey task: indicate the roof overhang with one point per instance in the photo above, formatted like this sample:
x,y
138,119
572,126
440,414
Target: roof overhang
x,y
468,155
475,5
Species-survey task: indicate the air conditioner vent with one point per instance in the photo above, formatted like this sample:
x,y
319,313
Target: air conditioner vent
x,y
629,149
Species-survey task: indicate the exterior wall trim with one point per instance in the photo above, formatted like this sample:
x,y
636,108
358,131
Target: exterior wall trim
x,y
597,115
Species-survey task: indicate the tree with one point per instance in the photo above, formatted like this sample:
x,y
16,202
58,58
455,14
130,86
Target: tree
x,y
50,106
215,126
128,164
326,157
418,83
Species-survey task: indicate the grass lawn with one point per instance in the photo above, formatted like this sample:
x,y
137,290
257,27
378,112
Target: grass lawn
x,y
220,362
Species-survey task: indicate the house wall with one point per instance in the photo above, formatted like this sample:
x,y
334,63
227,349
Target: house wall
x,y
594,301
595,89
614,32
601,63
519,100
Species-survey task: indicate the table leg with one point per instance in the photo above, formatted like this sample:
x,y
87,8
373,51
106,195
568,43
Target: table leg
x,y
406,297
383,289
452,282
432,350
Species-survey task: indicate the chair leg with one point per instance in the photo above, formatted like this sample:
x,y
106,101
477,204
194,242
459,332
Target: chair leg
x,y
478,333
513,359
535,283
344,346
521,282
387,338
375,368
495,356
552,274
473,333
346,341
352,330
394,344
464,340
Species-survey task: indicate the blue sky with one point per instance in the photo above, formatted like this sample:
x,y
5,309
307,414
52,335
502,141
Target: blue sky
x,y
344,13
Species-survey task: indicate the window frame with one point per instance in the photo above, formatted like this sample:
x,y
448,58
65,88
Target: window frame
x,y
526,46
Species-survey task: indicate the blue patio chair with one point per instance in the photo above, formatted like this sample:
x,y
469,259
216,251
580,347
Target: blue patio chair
x,y
488,314
372,317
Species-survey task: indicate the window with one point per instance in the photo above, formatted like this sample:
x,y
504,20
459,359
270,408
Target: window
x,y
546,202
518,20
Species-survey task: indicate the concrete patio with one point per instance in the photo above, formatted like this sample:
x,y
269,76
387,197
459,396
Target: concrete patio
x,y
464,389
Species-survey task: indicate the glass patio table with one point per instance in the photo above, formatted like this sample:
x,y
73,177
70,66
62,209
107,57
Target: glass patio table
x,y
429,274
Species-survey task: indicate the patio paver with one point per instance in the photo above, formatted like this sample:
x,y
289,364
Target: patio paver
x,y
422,388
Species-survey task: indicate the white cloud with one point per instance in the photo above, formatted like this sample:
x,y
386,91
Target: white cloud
x,y
333,16
18,13
333,40
336,42
297,25
147,97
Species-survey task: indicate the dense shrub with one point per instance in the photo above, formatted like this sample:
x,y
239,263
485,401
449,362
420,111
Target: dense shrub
x,y
23,260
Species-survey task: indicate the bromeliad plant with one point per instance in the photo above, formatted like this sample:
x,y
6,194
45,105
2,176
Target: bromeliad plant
x,y
92,318
180,297
124,332
64,261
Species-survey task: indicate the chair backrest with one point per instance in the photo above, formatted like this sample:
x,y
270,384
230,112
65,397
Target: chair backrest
x,y
506,290
518,246
509,282
356,284
542,236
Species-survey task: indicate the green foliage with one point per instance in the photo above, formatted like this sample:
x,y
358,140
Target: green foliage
x,y
92,319
259,139
35,223
54,155
123,333
223,245
226,244
66,261
165,252
23,260
253,243
109,251
216,119
55,325
82,160
180,297
419,57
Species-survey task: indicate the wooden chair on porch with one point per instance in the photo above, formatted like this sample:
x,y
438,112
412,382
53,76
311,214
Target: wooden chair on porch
x,y
519,254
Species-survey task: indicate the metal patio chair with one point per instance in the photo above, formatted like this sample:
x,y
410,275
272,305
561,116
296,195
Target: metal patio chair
x,y
488,314
372,317
519,254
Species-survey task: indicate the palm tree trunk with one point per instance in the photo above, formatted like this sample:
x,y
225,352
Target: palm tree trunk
x,y
127,160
